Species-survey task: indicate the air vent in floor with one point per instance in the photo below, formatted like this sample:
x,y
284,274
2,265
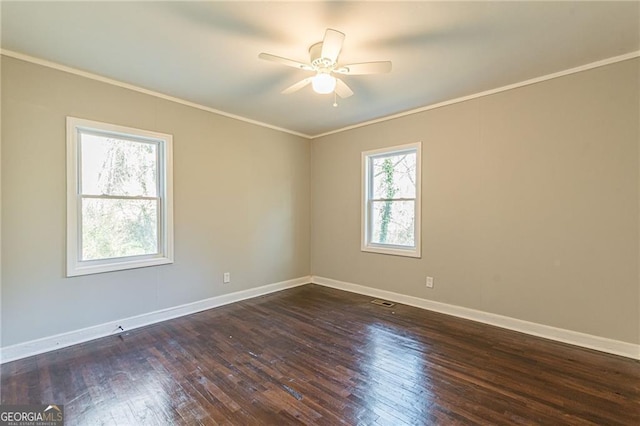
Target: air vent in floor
x,y
384,303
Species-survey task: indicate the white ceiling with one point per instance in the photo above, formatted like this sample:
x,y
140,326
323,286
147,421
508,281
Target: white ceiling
x,y
207,52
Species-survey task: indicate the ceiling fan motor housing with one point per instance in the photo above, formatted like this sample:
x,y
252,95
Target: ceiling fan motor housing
x,y
317,61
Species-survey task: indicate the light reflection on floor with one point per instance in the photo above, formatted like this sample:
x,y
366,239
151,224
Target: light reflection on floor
x,y
142,399
397,378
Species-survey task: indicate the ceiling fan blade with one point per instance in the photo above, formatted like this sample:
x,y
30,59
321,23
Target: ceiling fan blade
x,y
332,44
342,89
379,67
285,61
297,86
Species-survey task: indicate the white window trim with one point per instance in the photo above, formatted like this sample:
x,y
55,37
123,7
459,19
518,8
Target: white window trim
x,y
390,249
75,266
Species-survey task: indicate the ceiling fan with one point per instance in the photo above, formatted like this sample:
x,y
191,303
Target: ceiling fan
x,y
324,63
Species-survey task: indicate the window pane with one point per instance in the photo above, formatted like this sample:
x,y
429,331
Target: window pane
x,y
392,222
112,166
394,176
117,228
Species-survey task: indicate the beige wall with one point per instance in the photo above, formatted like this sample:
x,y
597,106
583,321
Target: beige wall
x,y
241,196
530,204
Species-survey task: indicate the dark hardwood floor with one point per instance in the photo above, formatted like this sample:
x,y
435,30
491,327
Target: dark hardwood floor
x,y
314,355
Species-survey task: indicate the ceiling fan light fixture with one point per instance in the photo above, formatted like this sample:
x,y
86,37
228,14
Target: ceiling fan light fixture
x,y
323,83
323,61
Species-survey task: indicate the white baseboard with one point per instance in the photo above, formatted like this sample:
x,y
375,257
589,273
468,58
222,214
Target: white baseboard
x,y
602,344
46,344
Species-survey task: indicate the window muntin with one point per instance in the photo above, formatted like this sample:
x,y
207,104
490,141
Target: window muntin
x,y
391,201
119,207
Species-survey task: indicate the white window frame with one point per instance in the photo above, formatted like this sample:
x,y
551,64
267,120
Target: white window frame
x,y
367,202
75,265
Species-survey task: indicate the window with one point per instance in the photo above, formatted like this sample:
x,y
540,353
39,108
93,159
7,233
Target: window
x,y
391,200
119,198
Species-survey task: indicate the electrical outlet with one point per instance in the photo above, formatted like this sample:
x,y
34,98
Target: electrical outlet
x,y
226,277
429,282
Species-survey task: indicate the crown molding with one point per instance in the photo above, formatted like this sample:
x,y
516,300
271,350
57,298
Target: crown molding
x,y
86,74
92,76
563,73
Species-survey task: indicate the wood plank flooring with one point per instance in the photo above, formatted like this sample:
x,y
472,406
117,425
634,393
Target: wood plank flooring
x,y
314,355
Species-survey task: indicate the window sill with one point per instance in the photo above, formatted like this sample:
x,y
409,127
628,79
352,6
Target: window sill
x,y
415,253
89,268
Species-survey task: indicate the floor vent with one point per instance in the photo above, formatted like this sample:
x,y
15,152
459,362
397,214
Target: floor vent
x,y
384,303
293,393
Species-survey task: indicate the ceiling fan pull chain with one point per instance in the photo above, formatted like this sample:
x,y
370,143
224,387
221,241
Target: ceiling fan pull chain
x,y
335,99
